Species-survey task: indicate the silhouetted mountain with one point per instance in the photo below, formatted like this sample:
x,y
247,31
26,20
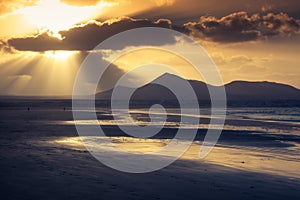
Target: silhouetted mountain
x,y
243,90
236,90
155,91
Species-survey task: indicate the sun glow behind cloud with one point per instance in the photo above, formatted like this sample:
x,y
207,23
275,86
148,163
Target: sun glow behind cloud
x,y
59,55
49,72
55,16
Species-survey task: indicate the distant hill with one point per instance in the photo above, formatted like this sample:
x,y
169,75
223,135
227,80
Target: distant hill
x,y
243,90
236,90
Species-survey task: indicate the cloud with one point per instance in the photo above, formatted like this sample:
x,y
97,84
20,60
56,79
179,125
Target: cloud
x,y
5,48
40,42
240,59
87,36
231,28
241,27
243,65
220,59
164,2
81,2
235,27
279,24
22,76
7,6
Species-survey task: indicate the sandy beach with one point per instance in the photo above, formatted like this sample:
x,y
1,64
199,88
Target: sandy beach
x,y
46,160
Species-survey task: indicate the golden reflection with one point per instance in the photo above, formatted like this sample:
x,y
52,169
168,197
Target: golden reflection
x,y
134,145
254,159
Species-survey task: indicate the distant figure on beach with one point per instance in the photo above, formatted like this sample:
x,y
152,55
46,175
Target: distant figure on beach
x,y
28,109
64,108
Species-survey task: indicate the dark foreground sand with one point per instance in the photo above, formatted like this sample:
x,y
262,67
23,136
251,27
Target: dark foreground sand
x,y
34,166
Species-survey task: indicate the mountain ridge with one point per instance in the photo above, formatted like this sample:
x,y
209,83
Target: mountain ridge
x,y
235,90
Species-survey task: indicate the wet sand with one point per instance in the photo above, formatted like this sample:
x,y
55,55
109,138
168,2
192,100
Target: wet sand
x,y
47,161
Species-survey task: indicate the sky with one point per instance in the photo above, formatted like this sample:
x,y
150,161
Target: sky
x,y
44,42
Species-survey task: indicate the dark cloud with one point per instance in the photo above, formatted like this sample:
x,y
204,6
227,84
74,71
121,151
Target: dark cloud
x,y
232,28
241,27
5,48
87,36
189,10
235,27
279,24
40,42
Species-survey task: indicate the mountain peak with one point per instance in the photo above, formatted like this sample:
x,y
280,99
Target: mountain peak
x,y
167,76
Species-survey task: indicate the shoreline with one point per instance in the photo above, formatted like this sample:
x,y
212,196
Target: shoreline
x,y
45,160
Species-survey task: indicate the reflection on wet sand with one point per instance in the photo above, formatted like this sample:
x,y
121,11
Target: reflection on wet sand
x,y
254,159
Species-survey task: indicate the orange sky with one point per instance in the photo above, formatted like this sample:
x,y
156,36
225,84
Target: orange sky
x,y
43,42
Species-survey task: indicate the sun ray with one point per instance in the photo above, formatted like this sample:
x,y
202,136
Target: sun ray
x,y
25,73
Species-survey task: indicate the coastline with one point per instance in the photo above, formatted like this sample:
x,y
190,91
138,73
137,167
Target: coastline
x,y
46,160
